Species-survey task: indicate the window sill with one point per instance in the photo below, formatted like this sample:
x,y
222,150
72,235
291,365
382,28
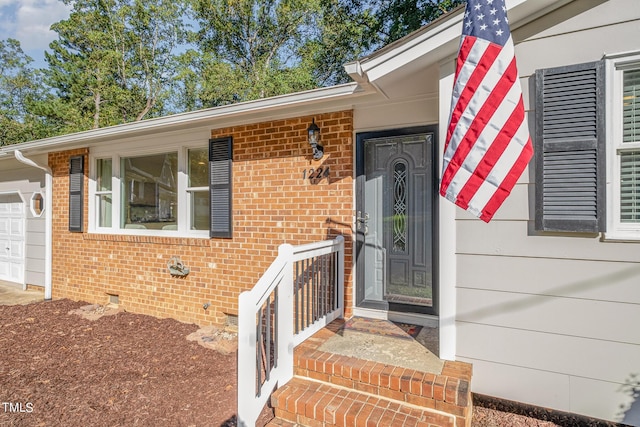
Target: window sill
x,y
622,236
163,240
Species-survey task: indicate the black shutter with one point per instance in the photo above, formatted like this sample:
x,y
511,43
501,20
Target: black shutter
x,y
220,161
76,193
570,148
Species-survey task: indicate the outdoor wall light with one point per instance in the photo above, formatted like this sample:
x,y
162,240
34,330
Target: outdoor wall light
x,y
314,138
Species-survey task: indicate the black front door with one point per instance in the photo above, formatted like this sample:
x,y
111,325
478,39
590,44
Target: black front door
x,y
396,198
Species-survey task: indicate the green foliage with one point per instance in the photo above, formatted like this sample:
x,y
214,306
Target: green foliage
x,y
253,48
18,91
397,18
112,62
117,61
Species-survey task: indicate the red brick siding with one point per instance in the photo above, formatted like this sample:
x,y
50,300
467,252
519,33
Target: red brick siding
x,y
272,204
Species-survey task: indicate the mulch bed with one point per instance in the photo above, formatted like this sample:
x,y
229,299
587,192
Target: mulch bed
x,y
124,369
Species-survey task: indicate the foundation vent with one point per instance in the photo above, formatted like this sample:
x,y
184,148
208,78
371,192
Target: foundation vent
x,y
231,321
113,299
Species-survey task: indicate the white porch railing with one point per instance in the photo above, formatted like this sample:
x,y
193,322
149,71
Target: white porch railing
x,y
300,293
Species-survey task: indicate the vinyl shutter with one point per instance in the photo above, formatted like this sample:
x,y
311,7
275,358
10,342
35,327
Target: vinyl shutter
x,y
570,148
220,161
76,193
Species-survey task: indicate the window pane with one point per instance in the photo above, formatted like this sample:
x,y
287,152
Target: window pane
x,y
149,198
200,210
104,175
198,168
631,106
630,186
104,210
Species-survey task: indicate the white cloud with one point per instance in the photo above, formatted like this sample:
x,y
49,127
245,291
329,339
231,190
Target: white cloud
x,y
29,21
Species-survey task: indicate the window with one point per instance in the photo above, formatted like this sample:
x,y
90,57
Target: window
x,y
624,148
104,194
183,192
37,204
149,192
198,189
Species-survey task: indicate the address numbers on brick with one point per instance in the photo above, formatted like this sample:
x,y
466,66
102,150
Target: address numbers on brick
x,y
314,174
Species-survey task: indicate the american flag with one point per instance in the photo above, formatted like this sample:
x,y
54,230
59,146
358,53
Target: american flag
x,y
488,144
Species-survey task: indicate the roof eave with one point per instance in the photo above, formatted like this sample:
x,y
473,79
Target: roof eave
x,y
214,115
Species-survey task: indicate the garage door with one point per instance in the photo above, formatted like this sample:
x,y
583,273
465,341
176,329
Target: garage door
x,y
12,238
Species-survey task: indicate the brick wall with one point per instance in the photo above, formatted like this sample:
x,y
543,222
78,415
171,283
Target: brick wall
x,y
272,204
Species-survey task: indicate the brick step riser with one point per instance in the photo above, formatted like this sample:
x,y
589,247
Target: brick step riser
x,y
314,404
442,392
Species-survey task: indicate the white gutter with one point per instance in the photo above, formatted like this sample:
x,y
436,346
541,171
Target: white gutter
x,y
48,219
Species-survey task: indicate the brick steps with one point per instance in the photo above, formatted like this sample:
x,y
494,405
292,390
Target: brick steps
x,y
314,404
335,390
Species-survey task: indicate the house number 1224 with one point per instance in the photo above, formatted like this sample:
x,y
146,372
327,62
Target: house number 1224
x,y
317,173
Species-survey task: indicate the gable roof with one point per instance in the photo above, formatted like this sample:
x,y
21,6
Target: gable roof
x,y
434,43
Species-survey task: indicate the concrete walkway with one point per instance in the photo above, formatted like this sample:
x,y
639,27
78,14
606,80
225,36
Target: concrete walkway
x,y
12,293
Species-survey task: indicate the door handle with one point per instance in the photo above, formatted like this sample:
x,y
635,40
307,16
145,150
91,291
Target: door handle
x,y
362,221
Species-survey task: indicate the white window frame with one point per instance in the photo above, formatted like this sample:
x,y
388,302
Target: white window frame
x,y
615,66
183,214
32,202
192,190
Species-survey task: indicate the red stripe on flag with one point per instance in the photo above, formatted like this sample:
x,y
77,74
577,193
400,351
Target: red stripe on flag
x,y
481,119
508,183
491,157
484,64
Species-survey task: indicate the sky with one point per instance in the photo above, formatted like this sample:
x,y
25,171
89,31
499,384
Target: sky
x,y
28,21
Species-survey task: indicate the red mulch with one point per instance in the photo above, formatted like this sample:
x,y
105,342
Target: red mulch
x,y
60,369
125,369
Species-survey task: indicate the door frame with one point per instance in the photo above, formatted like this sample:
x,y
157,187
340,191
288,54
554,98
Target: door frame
x,y
358,250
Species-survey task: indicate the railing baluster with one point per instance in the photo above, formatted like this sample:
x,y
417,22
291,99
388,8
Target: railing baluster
x,y
268,341
275,328
314,291
259,351
308,302
296,295
325,289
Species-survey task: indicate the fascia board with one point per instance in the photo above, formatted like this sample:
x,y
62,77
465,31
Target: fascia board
x,y
388,61
217,116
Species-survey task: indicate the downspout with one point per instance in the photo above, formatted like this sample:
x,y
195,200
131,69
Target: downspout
x,y
48,219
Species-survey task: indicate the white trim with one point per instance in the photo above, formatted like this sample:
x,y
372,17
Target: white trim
x,y
447,280
48,236
33,211
183,215
615,65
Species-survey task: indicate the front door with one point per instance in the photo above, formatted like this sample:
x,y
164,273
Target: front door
x,y
395,221
12,238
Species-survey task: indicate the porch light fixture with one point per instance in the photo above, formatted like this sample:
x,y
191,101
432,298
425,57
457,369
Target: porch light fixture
x,y
314,138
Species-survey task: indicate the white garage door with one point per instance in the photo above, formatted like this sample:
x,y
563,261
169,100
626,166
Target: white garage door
x,y
12,237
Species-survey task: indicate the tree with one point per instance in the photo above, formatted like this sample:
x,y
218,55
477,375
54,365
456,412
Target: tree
x,y
251,48
112,62
18,90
